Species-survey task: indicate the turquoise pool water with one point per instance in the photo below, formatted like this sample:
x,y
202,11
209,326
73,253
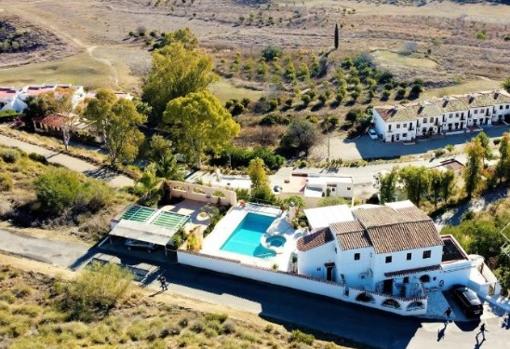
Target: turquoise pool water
x,y
245,239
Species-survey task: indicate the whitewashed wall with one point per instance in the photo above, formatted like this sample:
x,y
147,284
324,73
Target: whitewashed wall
x,y
306,284
312,262
202,193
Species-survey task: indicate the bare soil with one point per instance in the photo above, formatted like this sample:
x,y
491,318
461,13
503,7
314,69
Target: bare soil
x,y
448,29
33,43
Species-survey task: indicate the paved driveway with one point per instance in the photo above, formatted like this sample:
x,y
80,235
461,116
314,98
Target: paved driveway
x,y
365,148
75,164
355,323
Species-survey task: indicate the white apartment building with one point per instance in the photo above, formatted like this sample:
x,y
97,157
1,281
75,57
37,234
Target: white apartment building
x,y
448,115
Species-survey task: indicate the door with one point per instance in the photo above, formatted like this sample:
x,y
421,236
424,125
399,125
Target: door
x,y
329,272
388,286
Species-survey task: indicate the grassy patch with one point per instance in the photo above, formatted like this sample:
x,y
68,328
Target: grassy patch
x,y
35,321
392,59
225,90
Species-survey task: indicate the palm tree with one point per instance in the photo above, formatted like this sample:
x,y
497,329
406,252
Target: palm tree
x,y
148,185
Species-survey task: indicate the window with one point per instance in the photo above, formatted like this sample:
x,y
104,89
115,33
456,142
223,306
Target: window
x,y
476,111
427,254
406,280
500,107
424,120
357,256
405,125
398,125
389,127
404,135
508,106
388,259
431,119
409,256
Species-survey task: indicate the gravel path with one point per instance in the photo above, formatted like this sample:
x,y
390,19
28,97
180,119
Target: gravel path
x,y
72,163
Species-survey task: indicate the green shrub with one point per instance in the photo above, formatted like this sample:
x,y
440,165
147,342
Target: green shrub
x,y
6,182
59,190
299,337
7,115
216,317
96,289
228,327
439,152
9,156
39,158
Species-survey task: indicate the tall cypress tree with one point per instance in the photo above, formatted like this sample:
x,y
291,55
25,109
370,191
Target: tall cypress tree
x,y
337,36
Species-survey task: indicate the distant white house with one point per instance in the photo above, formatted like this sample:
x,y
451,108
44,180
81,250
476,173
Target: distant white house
x,y
448,115
16,99
329,185
9,99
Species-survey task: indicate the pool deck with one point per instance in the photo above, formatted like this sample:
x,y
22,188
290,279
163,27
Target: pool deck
x,y
214,241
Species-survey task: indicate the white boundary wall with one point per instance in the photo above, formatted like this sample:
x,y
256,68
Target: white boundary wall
x,y
302,283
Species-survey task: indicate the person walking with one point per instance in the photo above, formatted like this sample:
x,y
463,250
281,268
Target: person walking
x,y
482,332
162,282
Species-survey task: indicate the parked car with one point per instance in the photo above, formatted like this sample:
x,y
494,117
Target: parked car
x,y
468,301
140,244
372,134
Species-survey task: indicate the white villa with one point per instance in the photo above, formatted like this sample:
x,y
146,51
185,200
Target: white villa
x,y
77,93
329,185
9,99
15,98
448,115
388,257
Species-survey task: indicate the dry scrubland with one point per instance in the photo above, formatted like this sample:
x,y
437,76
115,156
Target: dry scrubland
x,y
31,318
19,206
448,29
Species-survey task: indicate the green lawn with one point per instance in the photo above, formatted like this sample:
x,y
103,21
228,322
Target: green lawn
x,y
393,59
225,90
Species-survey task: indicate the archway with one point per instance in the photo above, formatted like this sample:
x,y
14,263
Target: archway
x,y
391,303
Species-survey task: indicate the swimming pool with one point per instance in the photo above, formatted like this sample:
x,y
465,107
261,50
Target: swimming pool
x,y
245,239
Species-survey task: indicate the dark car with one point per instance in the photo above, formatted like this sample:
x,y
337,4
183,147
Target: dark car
x,y
468,301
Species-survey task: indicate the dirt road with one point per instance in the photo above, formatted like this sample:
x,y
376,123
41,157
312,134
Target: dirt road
x,y
75,164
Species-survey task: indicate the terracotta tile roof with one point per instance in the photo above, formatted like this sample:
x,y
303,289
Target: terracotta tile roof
x,y
413,213
7,92
350,235
438,106
404,236
376,216
54,120
387,229
412,271
314,240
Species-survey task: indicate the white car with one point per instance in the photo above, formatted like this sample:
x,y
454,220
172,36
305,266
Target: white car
x,y
372,134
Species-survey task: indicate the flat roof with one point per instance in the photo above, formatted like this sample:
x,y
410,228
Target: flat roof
x,y
148,224
451,250
323,180
143,232
322,217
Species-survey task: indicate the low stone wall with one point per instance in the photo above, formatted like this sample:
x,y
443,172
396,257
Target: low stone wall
x,y
401,306
203,193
